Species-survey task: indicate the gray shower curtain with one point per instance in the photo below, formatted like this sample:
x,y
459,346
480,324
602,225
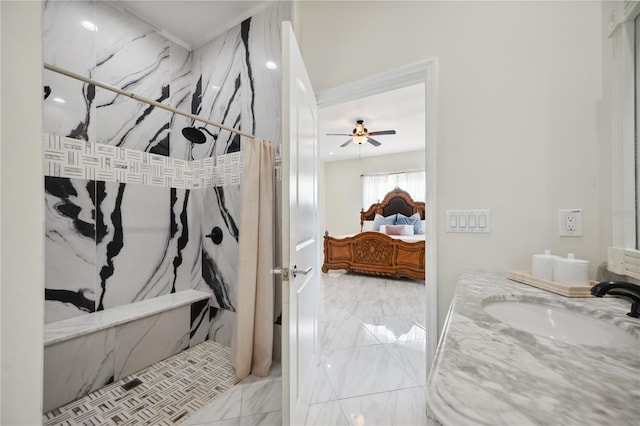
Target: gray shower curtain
x,y
254,334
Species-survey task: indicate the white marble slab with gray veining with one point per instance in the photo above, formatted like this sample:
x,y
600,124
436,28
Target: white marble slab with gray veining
x,y
486,372
79,326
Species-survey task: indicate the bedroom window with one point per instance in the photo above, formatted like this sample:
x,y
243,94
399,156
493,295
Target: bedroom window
x,y
376,186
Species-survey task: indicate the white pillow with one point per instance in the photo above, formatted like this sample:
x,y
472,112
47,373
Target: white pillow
x,y
367,225
424,226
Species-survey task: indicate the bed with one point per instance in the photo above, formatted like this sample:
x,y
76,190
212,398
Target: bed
x,y
376,253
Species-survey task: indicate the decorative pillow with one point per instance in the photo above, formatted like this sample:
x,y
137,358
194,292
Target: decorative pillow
x,y
367,225
382,220
398,229
409,230
413,220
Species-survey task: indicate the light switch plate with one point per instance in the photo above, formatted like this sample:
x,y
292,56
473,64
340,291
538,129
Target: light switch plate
x,y
469,221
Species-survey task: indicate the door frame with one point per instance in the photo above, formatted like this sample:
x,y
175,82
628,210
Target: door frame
x,y
420,72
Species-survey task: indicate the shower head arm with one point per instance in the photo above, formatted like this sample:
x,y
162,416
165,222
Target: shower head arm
x,y
215,137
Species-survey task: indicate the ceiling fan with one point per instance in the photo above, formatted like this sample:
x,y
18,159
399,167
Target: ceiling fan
x,y
361,135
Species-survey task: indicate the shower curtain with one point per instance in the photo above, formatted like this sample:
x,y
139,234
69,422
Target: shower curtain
x,y
254,334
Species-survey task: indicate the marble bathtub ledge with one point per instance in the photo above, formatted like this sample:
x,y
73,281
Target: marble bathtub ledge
x,y
486,372
60,331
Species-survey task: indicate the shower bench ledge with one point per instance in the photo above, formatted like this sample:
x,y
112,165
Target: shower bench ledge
x,y
85,353
60,331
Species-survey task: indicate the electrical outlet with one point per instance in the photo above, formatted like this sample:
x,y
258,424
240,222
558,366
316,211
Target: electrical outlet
x,y
570,222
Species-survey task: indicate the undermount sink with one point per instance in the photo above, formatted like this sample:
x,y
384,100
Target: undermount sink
x,y
558,323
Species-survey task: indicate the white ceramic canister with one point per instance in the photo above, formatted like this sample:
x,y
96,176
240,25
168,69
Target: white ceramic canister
x,y
542,265
570,270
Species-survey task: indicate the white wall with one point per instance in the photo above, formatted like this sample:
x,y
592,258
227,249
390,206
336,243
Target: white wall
x,y
342,187
519,89
22,214
605,155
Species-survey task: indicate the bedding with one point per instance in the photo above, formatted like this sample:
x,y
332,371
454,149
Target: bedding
x,y
399,230
367,225
378,253
380,220
407,238
413,220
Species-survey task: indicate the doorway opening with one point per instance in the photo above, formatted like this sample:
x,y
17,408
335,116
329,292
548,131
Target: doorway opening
x,y
421,74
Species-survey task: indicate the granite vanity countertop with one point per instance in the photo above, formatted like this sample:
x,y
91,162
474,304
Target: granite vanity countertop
x,y
486,372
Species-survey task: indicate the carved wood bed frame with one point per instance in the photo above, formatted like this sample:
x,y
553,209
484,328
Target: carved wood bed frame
x,y
375,253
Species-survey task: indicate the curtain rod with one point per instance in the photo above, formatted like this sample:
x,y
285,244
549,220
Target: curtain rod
x,y
143,99
391,173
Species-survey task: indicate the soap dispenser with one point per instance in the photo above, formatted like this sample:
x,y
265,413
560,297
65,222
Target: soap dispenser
x,y
570,270
542,265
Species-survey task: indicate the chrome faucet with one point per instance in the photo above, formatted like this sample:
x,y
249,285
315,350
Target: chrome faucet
x,y
620,288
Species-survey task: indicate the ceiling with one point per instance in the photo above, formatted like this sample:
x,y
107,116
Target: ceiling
x,y
192,23
402,110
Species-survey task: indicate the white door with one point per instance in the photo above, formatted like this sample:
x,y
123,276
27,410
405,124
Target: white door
x,y
300,241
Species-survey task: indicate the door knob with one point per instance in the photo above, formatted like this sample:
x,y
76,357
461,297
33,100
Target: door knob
x,y
295,270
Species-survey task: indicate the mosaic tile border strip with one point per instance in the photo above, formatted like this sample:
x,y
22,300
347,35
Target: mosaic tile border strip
x,y
73,158
170,392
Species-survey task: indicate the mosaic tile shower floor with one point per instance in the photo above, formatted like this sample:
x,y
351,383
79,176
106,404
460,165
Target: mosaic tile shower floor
x,y
170,392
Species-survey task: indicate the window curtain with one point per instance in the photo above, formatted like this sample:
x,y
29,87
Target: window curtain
x,y
375,187
255,316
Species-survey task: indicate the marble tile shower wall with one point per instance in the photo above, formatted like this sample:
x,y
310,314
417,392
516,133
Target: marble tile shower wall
x,y
115,235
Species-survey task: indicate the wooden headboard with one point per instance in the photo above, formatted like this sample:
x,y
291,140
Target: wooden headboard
x,y
396,201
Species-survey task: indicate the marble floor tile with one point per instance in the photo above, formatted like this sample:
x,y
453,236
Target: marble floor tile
x,y
420,316
338,313
322,389
262,396
373,360
273,418
413,359
226,406
351,371
226,422
326,413
400,407
373,310
344,334
397,329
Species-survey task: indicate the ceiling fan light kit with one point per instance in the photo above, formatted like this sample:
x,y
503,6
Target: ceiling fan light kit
x,y
360,139
361,134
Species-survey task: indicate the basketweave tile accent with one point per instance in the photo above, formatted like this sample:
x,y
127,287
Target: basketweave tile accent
x,y
170,392
73,158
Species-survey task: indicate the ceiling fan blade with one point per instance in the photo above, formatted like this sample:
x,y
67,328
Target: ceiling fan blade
x,y
339,134
373,142
346,143
383,132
